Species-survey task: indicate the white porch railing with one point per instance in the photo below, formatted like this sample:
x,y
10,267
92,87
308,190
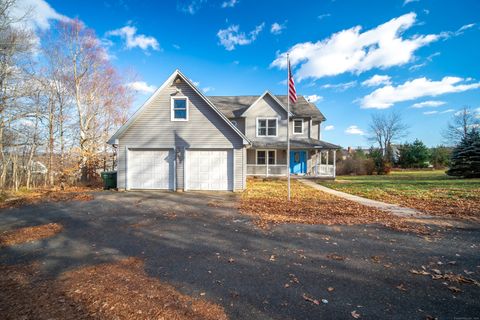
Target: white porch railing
x,y
266,170
323,170
320,170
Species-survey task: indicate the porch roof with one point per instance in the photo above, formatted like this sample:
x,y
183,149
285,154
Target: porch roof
x,y
307,143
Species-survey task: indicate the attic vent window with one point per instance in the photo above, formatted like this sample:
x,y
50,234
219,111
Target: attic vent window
x,y
179,109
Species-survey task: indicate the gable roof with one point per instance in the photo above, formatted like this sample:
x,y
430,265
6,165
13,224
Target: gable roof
x,y
235,106
261,97
169,81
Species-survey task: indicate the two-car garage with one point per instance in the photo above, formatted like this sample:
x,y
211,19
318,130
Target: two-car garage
x,y
203,169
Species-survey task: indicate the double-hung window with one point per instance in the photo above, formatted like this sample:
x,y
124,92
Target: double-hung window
x,y
266,155
179,110
267,127
298,126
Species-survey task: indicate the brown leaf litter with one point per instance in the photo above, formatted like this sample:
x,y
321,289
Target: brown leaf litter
x,y
47,195
120,290
266,200
29,234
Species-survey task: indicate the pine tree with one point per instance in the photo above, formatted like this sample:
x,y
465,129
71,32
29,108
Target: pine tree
x,y
465,161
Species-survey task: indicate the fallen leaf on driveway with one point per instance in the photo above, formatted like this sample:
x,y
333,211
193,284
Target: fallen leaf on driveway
x,y
272,258
309,299
420,272
355,314
454,290
330,289
231,260
335,256
401,287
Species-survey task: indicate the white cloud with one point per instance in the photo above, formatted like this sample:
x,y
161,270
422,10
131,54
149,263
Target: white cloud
x,y
340,86
277,28
429,103
207,89
231,37
38,14
430,112
323,16
142,87
132,39
355,130
377,80
229,3
409,1
448,111
314,98
190,6
387,96
354,51
195,83
329,128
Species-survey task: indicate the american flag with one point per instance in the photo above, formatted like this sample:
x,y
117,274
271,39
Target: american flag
x,y
292,93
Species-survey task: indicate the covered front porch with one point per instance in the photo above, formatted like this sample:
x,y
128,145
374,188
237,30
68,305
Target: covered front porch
x,y
307,161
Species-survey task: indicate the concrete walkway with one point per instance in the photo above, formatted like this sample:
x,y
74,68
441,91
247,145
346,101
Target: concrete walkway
x,y
392,208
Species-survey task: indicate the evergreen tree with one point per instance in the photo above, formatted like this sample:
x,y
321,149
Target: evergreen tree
x,y
414,155
465,161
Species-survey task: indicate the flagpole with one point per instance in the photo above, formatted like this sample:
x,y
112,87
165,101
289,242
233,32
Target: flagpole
x,y
288,127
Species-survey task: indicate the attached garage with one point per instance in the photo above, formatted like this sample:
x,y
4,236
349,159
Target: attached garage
x,y
209,169
151,169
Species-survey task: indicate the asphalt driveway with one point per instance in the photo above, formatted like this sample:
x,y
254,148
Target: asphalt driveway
x,y
199,243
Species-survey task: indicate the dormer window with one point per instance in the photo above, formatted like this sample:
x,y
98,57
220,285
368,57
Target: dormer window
x,y
179,109
267,127
298,126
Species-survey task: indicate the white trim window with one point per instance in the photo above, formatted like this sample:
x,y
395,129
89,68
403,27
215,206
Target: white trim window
x,y
179,109
263,155
267,127
298,126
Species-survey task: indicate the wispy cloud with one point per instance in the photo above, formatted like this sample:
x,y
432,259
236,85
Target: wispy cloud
x,y
429,103
377,80
190,6
232,36
323,16
314,98
277,28
430,112
207,89
133,40
354,130
448,111
329,128
141,87
38,14
229,3
409,1
354,51
387,96
340,86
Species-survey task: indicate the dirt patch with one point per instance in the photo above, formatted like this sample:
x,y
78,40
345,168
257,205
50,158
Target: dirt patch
x,y
19,199
267,202
118,290
29,234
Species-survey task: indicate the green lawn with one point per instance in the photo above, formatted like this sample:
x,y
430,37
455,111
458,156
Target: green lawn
x,y
431,191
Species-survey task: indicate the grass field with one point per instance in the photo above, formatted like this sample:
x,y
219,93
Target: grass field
x,y
430,191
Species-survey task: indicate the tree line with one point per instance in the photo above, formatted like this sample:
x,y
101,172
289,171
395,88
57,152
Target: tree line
x,y
60,99
461,155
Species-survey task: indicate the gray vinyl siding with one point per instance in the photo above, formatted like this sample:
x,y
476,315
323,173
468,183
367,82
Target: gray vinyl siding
x,y
266,108
239,169
315,133
154,129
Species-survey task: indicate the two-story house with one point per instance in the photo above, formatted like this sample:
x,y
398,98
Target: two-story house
x,y
181,139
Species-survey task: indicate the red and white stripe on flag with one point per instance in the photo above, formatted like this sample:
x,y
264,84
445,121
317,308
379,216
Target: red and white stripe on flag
x,y
292,93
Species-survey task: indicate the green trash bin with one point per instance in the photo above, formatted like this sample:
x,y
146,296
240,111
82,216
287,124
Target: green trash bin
x,y
109,179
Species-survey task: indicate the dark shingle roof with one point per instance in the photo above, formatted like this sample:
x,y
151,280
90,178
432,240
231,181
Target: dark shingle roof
x,y
234,106
296,143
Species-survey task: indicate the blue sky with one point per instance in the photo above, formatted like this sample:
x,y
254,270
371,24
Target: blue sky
x,y
354,58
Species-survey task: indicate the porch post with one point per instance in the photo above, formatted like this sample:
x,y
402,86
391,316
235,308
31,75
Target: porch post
x,y
316,162
334,163
267,164
328,154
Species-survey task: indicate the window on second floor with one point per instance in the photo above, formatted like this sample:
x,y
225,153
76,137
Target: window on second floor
x,y
298,126
267,127
179,109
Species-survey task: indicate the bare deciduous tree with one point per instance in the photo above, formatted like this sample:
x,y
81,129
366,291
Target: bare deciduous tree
x,y
462,123
385,129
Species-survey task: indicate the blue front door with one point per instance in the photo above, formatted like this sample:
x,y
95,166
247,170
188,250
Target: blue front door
x,y
298,162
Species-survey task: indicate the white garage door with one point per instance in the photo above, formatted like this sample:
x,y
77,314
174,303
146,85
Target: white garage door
x,y
209,170
150,169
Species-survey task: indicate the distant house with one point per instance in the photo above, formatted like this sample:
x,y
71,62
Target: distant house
x,y
182,140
